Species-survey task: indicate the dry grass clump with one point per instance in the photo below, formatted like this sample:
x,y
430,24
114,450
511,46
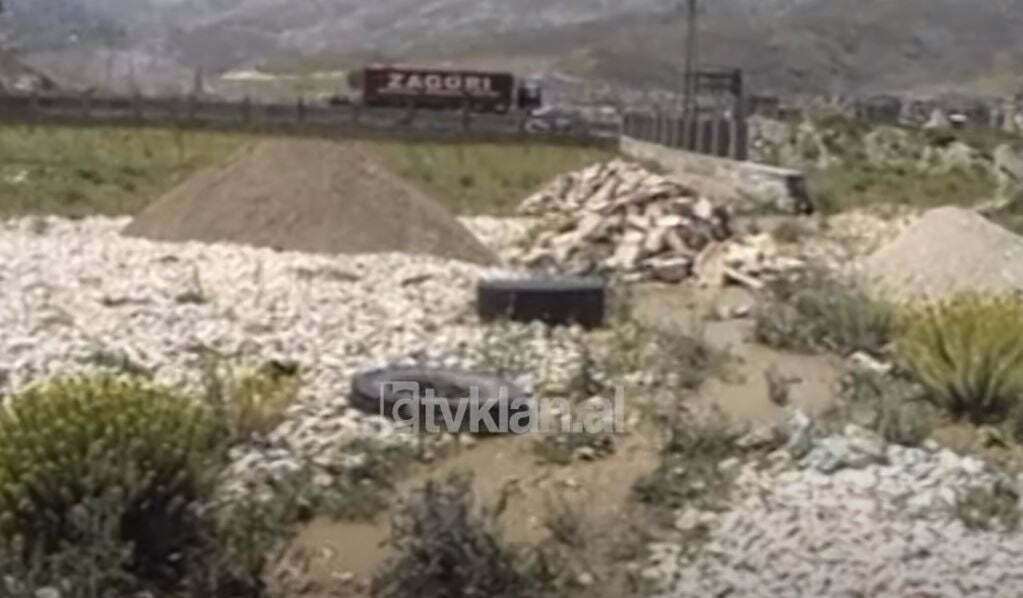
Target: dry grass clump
x,y
968,352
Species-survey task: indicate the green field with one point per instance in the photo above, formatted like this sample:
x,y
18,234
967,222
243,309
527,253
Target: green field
x,y
482,178
75,172
83,171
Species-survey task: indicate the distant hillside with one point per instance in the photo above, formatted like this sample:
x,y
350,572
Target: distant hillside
x,y
815,46
788,46
15,75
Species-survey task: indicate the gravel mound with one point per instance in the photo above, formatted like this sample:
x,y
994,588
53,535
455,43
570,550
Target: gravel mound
x,y
946,251
881,525
311,196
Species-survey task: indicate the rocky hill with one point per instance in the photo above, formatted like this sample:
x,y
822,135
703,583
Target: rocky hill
x,y
811,46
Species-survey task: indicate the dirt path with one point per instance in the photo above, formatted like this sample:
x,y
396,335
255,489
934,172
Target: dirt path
x,y
597,491
743,393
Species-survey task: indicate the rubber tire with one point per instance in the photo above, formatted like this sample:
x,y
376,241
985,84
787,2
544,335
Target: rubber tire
x,y
369,395
555,301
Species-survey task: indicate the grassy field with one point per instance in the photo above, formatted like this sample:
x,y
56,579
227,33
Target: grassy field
x,y
482,178
77,171
860,185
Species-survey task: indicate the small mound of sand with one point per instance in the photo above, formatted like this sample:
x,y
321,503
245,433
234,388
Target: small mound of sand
x,y
312,196
948,250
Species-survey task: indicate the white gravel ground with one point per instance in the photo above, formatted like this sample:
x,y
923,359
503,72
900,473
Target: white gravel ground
x,y
882,528
853,517
71,290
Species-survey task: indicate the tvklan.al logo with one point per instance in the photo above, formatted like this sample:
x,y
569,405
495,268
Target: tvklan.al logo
x,y
420,410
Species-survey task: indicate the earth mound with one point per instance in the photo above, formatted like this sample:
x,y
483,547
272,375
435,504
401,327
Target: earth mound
x,y
948,250
312,196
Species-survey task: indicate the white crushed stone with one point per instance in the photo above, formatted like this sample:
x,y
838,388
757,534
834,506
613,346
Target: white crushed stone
x,y
72,289
499,234
880,529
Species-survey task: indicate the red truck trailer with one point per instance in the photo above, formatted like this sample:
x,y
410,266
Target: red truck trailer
x,y
438,89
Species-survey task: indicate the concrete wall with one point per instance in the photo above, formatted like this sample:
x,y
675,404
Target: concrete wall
x,y
748,186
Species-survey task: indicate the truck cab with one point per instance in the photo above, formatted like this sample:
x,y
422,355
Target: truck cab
x,y
529,95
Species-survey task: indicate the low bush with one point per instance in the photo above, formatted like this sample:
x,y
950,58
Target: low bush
x,y
446,547
968,352
104,477
689,474
990,509
250,402
821,313
892,405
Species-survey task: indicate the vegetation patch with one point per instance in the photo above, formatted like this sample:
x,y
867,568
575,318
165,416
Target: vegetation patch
x,y
968,353
76,172
990,509
446,546
892,405
820,313
483,178
862,184
105,483
690,474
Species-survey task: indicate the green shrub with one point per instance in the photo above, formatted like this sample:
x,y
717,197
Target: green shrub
x,y
968,352
891,405
445,547
821,313
990,509
250,402
106,465
689,473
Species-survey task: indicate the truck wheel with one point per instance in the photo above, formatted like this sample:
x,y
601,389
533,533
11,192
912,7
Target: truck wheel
x,y
486,404
554,301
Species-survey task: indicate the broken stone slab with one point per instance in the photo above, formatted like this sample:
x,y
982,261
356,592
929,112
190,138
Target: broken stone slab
x,y
797,428
670,269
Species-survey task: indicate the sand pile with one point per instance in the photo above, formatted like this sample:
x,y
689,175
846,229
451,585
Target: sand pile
x,y
311,196
946,251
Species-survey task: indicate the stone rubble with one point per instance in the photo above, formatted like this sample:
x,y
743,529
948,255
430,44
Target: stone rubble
x,y
619,217
75,296
848,515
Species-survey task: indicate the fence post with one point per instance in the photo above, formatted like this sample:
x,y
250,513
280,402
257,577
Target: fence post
x,y
300,110
740,138
715,135
136,105
34,104
697,134
410,115
85,104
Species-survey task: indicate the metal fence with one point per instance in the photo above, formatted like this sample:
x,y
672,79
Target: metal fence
x,y
298,116
714,136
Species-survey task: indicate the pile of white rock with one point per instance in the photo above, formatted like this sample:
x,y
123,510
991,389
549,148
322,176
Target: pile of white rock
x,y
845,515
76,296
620,217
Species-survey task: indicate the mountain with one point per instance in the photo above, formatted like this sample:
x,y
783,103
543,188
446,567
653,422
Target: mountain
x,y
785,46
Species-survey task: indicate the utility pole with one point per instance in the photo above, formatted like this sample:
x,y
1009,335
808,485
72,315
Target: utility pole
x,y
689,83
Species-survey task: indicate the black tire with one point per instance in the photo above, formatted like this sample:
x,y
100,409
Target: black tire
x,y
388,391
554,301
